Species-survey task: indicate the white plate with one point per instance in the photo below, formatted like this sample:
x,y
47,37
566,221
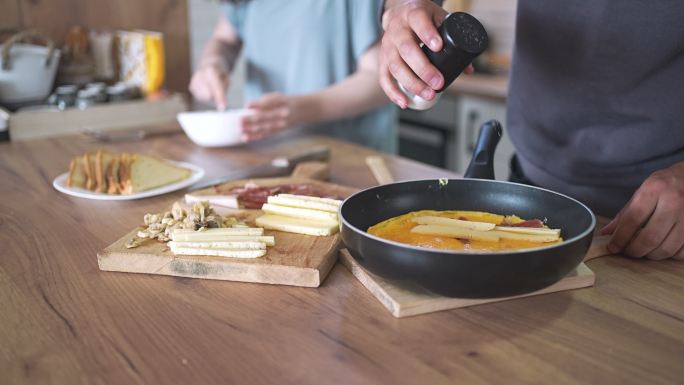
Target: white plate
x,y
197,173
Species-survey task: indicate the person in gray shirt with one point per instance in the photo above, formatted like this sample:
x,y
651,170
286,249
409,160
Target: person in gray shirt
x,y
595,107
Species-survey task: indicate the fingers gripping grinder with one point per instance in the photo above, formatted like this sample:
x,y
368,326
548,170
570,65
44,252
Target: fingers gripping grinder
x,y
464,38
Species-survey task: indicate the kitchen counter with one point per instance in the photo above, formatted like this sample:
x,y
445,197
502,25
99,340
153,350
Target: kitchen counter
x,y
63,321
487,86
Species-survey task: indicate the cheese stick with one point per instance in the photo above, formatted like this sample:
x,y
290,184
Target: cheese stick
x,y
219,238
442,221
215,200
528,230
297,212
297,225
456,232
302,203
330,201
269,240
218,252
233,245
223,231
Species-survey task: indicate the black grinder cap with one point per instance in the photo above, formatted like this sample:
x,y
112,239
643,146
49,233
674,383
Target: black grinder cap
x,y
464,38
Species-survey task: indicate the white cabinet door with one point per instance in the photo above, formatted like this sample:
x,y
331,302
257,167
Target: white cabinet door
x,y
473,111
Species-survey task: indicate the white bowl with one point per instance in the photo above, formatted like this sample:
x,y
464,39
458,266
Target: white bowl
x,y
214,128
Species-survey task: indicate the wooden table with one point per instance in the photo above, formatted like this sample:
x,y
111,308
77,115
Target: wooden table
x,y
63,321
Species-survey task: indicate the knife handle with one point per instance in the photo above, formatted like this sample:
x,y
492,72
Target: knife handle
x,y
321,153
312,170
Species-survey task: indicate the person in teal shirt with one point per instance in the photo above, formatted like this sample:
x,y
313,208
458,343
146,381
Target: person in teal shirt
x,y
310,63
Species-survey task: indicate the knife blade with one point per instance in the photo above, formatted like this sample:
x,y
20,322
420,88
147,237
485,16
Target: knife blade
x,y
279,166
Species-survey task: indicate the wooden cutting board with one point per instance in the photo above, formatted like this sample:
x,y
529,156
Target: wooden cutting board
x,y
298,260
402,302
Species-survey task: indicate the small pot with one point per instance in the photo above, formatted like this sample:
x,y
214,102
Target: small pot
x,y
27,71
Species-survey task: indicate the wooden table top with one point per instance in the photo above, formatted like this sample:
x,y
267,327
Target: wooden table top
x,y
63,321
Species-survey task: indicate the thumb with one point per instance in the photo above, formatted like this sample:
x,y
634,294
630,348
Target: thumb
x,y
610,227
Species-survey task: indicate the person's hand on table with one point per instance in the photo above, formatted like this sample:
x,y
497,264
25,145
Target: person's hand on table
x,y
209,84
407,23
651,225
272,113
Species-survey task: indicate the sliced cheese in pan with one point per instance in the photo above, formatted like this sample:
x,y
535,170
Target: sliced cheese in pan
x,y
442,221
456,232
218,252
526,236
488,236
297,212
297,201
529,230
297,225
233,245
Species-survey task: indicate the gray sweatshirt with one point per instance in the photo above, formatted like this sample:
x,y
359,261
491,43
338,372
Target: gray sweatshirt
x,y
596,100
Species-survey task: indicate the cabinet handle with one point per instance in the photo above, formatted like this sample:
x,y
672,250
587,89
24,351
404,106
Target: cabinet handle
x,y
473,117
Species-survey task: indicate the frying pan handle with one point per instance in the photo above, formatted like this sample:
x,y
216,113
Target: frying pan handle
x,y
482,163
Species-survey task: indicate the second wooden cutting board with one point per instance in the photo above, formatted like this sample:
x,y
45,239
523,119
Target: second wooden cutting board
x,y
298,260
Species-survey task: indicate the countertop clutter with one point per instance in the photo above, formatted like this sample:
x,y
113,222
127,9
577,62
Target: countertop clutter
x,y
79,84
66,321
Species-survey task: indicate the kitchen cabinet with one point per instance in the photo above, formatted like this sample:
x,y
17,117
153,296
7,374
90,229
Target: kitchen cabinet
x,y
472,112
445,135
429,136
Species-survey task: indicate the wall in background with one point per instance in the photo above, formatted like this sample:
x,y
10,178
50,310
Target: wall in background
x,y
9,17
55,17
203,15
498,17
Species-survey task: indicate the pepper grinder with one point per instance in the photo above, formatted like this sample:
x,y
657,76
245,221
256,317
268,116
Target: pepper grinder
x,y
464,38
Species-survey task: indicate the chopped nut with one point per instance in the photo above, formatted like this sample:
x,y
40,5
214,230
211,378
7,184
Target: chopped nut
x,y
201,217
151,218
178,212
134,242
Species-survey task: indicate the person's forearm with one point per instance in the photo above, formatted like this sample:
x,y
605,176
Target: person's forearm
x,y
353,96
222,48
219,53
356,94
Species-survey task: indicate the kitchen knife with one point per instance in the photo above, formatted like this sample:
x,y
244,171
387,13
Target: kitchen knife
x,y
283,165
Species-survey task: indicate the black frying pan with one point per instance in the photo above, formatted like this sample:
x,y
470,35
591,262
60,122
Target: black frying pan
x,y
468,275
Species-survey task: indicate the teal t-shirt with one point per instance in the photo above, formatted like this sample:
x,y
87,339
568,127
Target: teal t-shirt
x,y
302,46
